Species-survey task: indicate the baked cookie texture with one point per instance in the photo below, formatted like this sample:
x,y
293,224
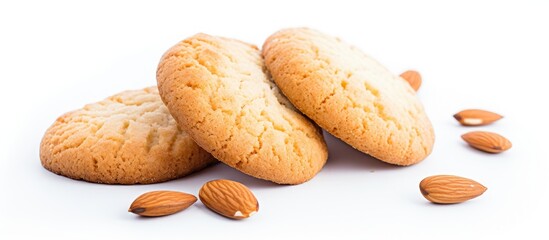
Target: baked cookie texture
x,y
128,138
219,92
350,95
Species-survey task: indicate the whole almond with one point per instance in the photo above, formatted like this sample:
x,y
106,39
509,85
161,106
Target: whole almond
x,y
476,117
161,203
487,141
229,198
413,78
450,189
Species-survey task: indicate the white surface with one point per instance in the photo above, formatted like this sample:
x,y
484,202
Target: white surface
x,y
58,56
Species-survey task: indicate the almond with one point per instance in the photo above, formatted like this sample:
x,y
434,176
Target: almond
x,y
476,117
413,78
161,203
487,141
450,189
229,198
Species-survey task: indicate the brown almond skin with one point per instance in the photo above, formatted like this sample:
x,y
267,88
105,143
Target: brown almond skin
x,y
161,203
229,198
449,189
413,78
487,141
476,117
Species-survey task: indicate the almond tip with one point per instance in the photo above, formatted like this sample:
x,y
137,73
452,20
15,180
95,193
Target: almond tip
x,y
136,210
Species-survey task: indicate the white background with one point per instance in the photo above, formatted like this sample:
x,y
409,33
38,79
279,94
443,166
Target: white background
x,y
58,56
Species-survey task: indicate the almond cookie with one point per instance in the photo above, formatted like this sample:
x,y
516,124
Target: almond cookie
x,y
127,138
218,91
350,95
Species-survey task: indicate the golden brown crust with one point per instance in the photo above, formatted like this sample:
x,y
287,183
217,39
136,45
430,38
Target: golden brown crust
x,y
217,90
127,138
350,95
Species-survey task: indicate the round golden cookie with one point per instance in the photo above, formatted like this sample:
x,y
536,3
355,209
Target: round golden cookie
x,y
350,95
218,91
127,138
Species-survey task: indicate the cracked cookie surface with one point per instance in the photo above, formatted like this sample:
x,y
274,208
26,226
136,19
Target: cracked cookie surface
x,y
128,138
350,95
219,92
